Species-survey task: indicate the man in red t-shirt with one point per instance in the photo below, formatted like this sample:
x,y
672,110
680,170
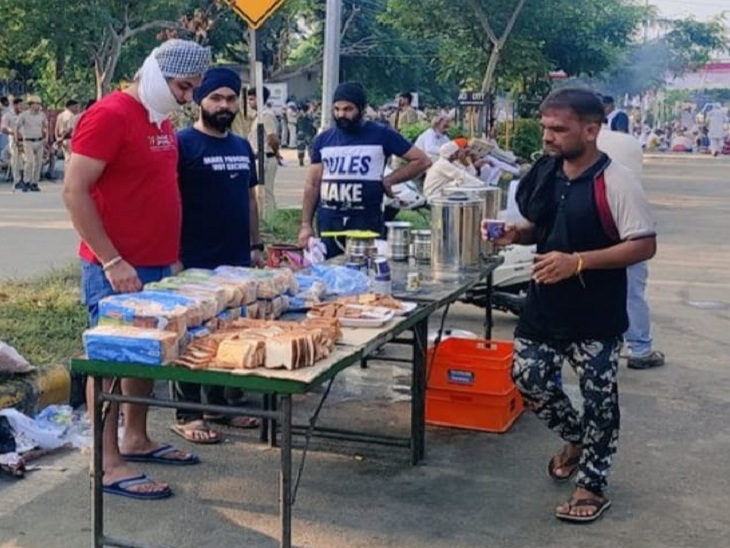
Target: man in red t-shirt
x,y
122,195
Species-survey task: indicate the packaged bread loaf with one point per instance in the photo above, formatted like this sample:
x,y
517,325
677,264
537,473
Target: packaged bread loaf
x,y
193,308
219,294
137,311
130,344
244,289
206,301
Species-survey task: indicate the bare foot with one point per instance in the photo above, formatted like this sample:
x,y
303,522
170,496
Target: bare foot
x,y
196,431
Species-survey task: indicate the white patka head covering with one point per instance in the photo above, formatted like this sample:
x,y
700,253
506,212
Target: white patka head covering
x,y
182,58
173,59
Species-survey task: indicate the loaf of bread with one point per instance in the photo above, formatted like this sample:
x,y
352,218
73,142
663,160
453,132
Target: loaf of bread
x,y
193,308
292,350
240,353
137,311
130,344
271,309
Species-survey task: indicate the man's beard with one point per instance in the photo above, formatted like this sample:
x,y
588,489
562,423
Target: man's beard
x,y
220,121
347,125
569,154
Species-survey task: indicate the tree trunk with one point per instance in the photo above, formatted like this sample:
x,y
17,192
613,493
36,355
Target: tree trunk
x,y
110,65
98,77
491,69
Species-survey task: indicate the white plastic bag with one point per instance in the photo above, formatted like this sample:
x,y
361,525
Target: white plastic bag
x,y
315,252
26,428
12,362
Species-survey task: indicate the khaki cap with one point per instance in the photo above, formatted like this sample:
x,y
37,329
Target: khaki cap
x,y
34,99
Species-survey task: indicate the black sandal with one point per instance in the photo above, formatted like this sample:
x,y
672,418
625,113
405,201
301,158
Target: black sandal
x,y
600,505
557,462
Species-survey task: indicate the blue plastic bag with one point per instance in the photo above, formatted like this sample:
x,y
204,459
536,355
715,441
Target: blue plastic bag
x,y
342,281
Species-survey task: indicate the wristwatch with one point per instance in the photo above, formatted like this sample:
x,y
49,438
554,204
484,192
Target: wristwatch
x,y
257,247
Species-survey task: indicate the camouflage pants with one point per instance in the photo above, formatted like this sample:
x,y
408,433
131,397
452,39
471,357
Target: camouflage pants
x,y
596,363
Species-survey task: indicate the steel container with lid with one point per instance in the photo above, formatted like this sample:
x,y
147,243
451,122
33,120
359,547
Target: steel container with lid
x,y
399,239
491,198
421,246
455,234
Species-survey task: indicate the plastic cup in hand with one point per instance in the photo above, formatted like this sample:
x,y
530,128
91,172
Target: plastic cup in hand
x,y
494,229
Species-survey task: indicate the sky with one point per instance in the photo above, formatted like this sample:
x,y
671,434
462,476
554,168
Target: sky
x,y
700,9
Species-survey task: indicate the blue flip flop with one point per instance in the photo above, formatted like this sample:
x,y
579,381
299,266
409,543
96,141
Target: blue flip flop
x,y
122,488
158,457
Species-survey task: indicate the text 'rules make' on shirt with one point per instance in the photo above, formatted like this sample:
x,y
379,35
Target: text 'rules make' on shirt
x,y
353,164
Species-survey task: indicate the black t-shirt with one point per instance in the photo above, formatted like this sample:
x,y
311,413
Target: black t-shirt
x,y
215,175
572,310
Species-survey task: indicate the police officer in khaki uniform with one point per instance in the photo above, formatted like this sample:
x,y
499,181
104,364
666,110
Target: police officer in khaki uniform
x,y
65,123
406,114
265,192
9,126
33,130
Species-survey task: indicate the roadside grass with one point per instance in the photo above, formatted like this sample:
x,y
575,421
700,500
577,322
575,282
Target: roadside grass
x,y
42,317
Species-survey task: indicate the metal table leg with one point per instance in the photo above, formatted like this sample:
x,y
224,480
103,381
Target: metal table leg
x,y
418,392
285,477
264,428
273,404
97,501
488,320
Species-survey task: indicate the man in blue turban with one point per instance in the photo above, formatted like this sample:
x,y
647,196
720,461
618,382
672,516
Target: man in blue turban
x,y
217,176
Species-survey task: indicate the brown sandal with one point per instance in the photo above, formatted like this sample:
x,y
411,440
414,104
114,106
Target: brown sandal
x,y
599,506
560,461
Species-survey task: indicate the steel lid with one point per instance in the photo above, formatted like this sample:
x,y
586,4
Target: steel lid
x,y
457,199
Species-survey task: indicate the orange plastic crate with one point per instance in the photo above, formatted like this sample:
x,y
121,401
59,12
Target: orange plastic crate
x,y
486,412
471,365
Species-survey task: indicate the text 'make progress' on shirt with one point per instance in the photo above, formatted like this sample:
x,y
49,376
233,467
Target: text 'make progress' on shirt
x,y
215,175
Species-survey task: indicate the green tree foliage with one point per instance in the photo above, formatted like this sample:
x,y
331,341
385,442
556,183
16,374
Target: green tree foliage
x,y
577,36
687,45
377,54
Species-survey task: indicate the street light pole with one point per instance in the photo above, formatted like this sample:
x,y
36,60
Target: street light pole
x,y
331,65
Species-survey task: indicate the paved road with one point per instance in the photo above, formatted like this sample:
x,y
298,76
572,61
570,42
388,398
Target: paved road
x,y
36,234
670,483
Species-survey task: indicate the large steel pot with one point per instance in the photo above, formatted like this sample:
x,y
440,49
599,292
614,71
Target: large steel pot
x,y
491,199
455,237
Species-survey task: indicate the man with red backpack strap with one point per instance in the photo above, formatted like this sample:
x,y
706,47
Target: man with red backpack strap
x,y
590,220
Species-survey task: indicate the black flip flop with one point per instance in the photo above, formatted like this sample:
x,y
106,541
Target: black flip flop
x,y
572,462
601,505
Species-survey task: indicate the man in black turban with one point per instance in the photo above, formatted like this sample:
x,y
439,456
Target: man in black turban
x,y
345,182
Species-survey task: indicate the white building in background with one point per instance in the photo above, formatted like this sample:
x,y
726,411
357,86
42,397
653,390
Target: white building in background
x,y
715,75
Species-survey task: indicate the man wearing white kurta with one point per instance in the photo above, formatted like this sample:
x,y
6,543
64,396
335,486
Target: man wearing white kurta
x,y
447,170
431,140
716,129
